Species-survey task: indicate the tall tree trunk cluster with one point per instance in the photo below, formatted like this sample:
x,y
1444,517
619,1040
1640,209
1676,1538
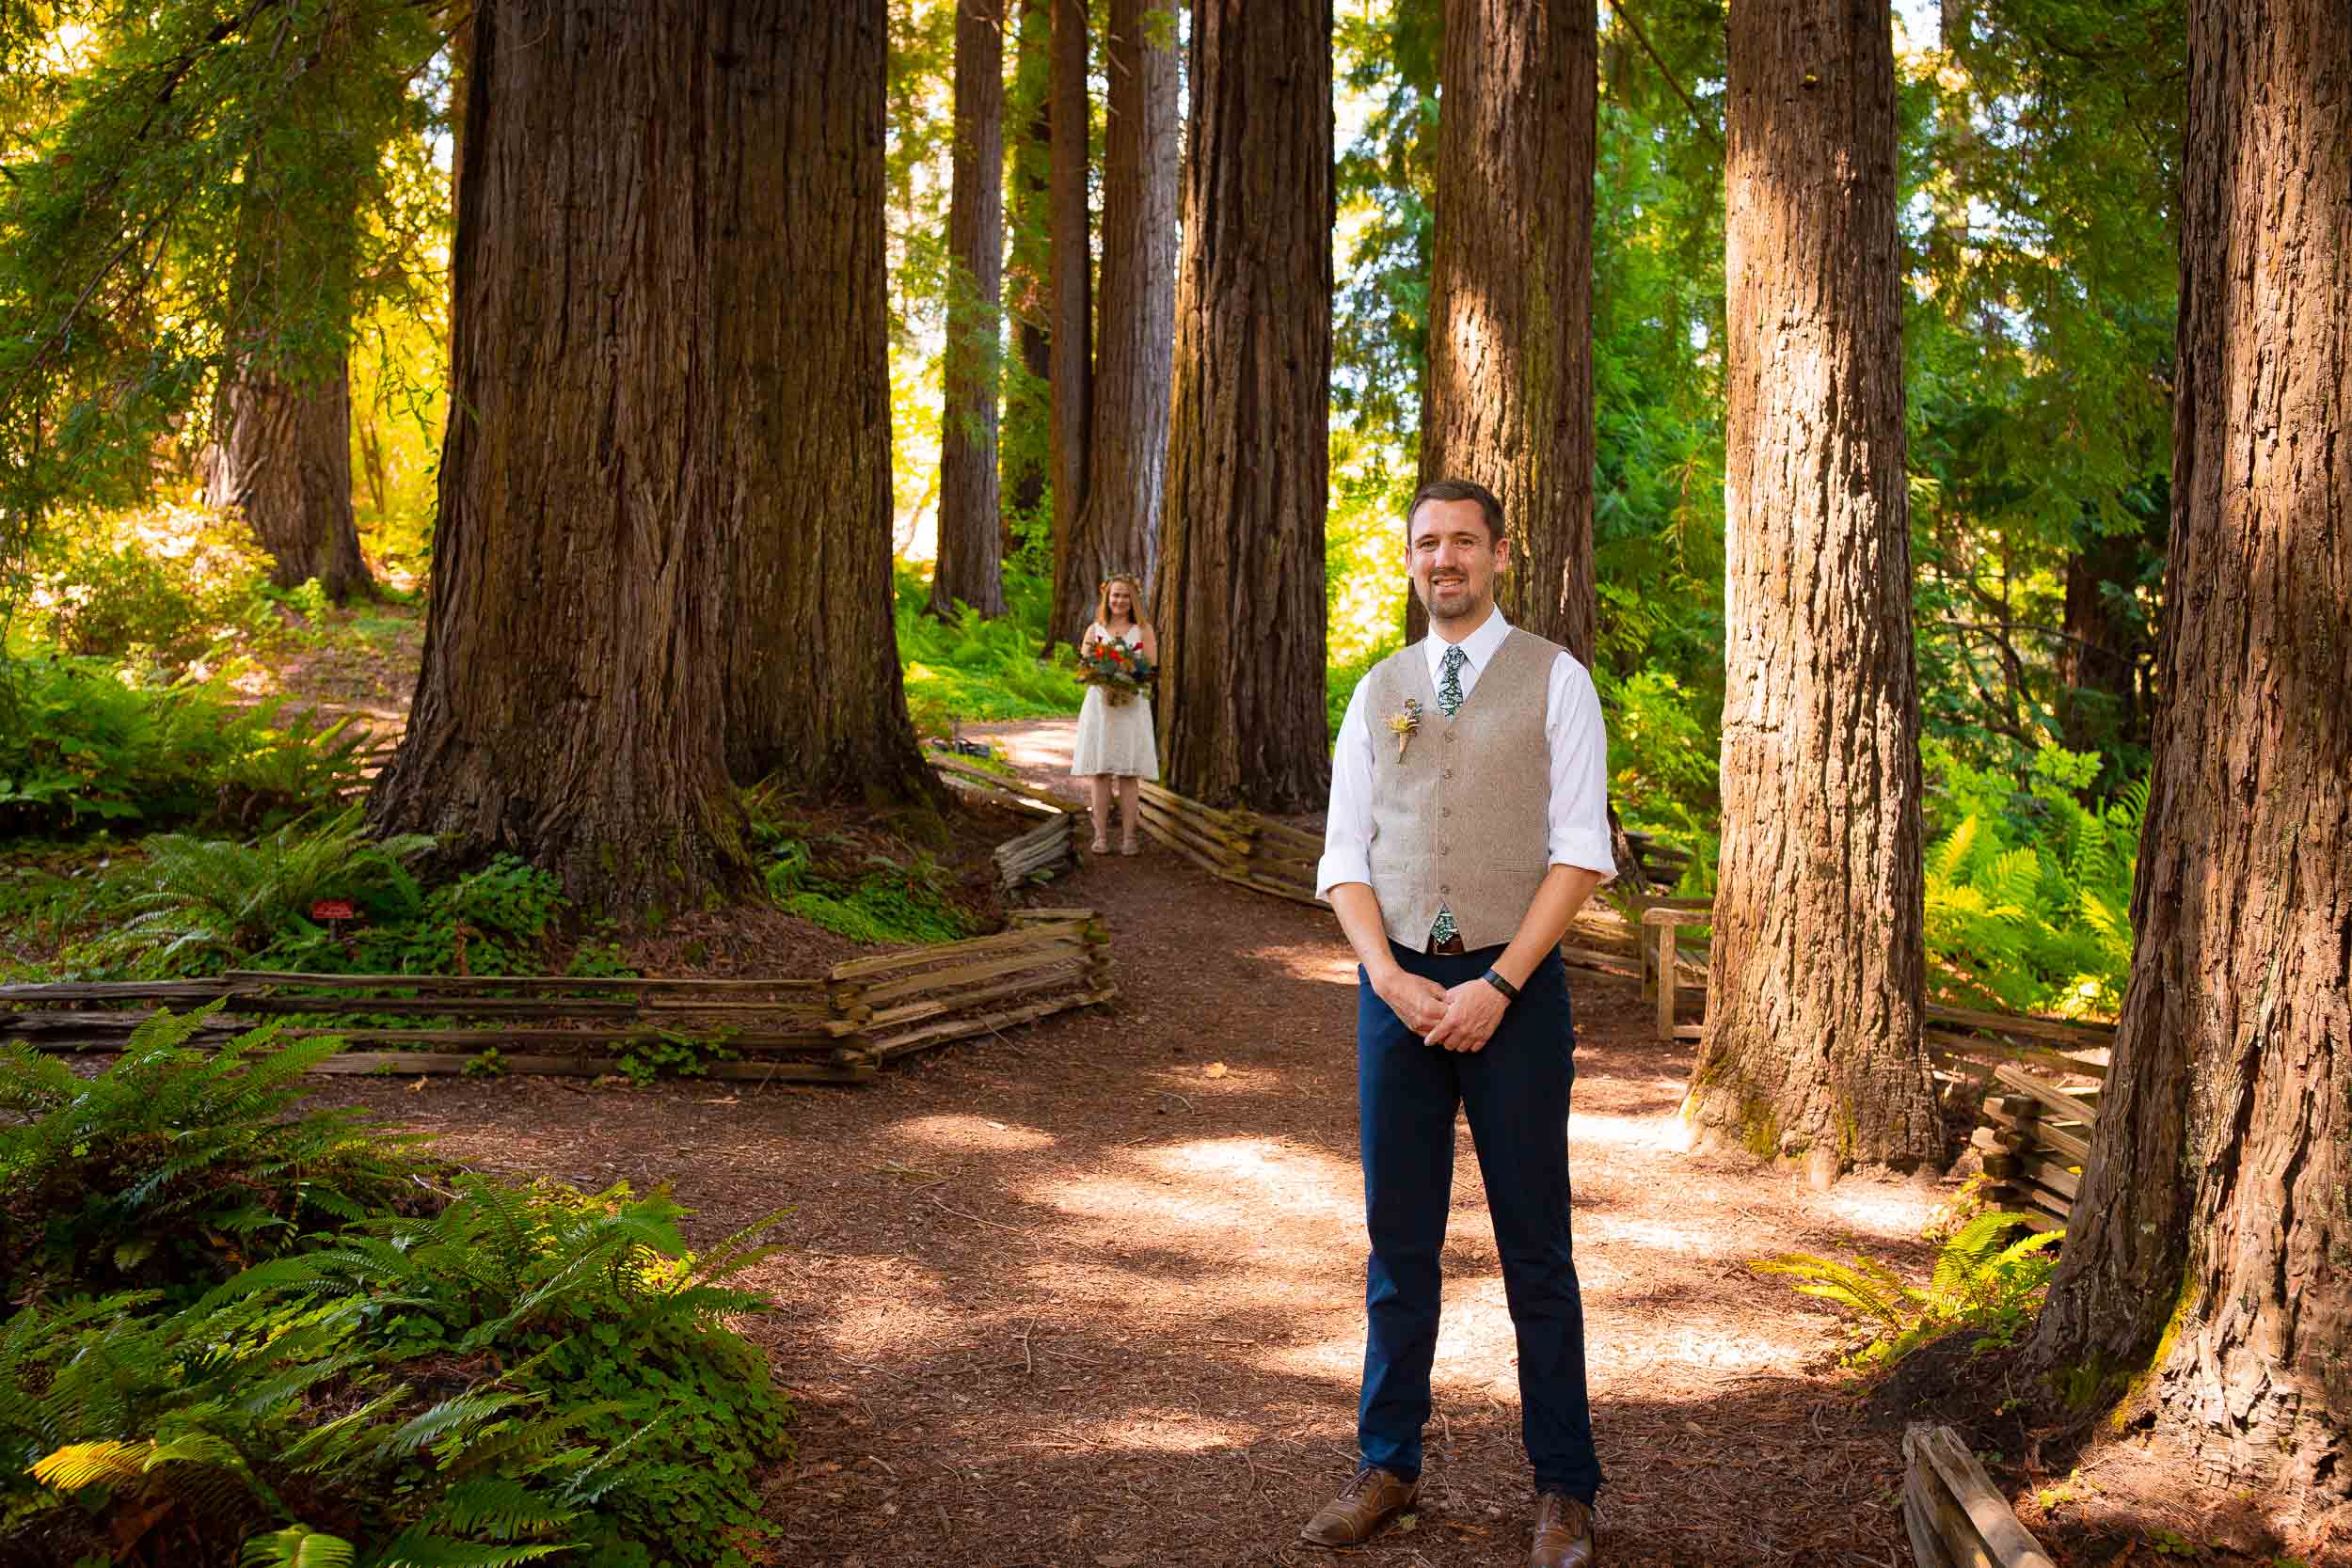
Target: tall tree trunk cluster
x,y
662,555
971,566
2205,1276
1116,528
1509,400
1071,349
281,443
1812,1046
1241,583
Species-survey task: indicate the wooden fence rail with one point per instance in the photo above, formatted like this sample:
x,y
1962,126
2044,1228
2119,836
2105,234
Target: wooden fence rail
x,y
833,1028
1955,1517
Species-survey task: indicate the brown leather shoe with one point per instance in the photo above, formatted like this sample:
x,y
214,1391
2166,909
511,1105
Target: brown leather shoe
x,y
1564,1533
1372,1499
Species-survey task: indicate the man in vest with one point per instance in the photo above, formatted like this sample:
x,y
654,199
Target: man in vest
x,y
1469,822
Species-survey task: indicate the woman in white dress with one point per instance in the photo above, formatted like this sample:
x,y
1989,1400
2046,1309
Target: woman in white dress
x,y
1114,740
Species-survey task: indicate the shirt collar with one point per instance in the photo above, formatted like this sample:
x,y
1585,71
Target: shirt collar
x,y
1478,645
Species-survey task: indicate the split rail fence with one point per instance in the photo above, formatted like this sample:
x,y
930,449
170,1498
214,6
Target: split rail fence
x,y
1955,1517
832,1029
2035,1131
2039,1079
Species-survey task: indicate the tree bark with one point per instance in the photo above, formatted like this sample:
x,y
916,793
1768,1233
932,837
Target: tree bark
x,y
2098,663
281,452
971,566
814,693
664,509
1510,396
1027,445
2212,1231
1072,256
1118,529
1241,591
284,461
1812,1045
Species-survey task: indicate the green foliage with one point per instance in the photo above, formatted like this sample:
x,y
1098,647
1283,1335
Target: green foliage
x,y
153,585
201,905
1987,1279
89,747
172,1168
611,1316
205,903
2028,897
499,1375
969,669
184,193
672,1054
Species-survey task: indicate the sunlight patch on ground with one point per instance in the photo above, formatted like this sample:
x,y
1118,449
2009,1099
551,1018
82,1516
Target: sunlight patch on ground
x,y
1266,1177
1648,1134
1030,743
1310,962
1877,1209
1610,1230
1145,1431
974,1133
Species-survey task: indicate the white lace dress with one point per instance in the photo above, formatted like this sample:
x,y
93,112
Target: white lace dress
x,y
1115,739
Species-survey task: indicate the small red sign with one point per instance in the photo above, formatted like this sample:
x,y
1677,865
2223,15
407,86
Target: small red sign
x,y
331,909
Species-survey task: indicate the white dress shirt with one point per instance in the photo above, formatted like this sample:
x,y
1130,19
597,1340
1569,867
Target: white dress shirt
x,y
1579,745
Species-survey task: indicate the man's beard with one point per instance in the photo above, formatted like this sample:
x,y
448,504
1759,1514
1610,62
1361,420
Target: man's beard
x,y
1434,598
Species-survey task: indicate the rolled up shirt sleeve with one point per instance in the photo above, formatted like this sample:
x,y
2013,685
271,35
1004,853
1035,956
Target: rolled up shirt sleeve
x,y
1347,827
1579,744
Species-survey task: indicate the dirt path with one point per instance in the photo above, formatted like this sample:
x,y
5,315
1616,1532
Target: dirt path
x,y
1089,1296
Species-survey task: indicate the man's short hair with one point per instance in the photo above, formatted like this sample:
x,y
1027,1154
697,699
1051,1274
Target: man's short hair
x,y
1458,490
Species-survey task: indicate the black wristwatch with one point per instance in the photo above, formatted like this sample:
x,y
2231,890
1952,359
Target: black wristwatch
x,y
1505,987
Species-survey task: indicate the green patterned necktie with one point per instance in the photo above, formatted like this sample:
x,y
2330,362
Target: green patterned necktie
x,y
1442,930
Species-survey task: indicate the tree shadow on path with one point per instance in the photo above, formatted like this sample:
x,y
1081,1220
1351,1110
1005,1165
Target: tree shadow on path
x,y
1089,1295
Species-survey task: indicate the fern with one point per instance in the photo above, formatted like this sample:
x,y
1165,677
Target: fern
x,y
1985,1278
2028,898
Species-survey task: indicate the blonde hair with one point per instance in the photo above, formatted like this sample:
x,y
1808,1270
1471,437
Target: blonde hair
x,y
1135,601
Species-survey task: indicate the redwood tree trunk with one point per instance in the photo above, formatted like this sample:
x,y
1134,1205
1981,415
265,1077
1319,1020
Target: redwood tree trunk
x,y
971,564
1812,1045
1072,254
646,494
283,459
2098,664
1240,594
1027,448
1510,395
2213,1229
1118,529
814,693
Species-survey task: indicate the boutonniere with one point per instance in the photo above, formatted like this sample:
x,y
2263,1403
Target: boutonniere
x,y
1403,722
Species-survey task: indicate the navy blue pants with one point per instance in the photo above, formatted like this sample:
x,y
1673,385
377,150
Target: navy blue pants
x,y
1516,1095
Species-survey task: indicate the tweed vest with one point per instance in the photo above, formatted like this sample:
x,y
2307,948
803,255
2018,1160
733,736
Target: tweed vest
x,y
1463,817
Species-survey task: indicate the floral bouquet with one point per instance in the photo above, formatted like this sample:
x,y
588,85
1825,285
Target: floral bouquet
x,y
1118,669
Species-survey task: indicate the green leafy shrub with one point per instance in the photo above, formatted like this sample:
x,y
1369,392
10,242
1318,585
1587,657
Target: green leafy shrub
x,y
204,904
969,669
158,583
174,1168
888,903
2029,897
85,747
494,919
1986,1279
499,1376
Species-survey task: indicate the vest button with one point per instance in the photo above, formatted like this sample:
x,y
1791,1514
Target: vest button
x,y
1448,738
1445,887
1449,772
1442,848
1445,811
